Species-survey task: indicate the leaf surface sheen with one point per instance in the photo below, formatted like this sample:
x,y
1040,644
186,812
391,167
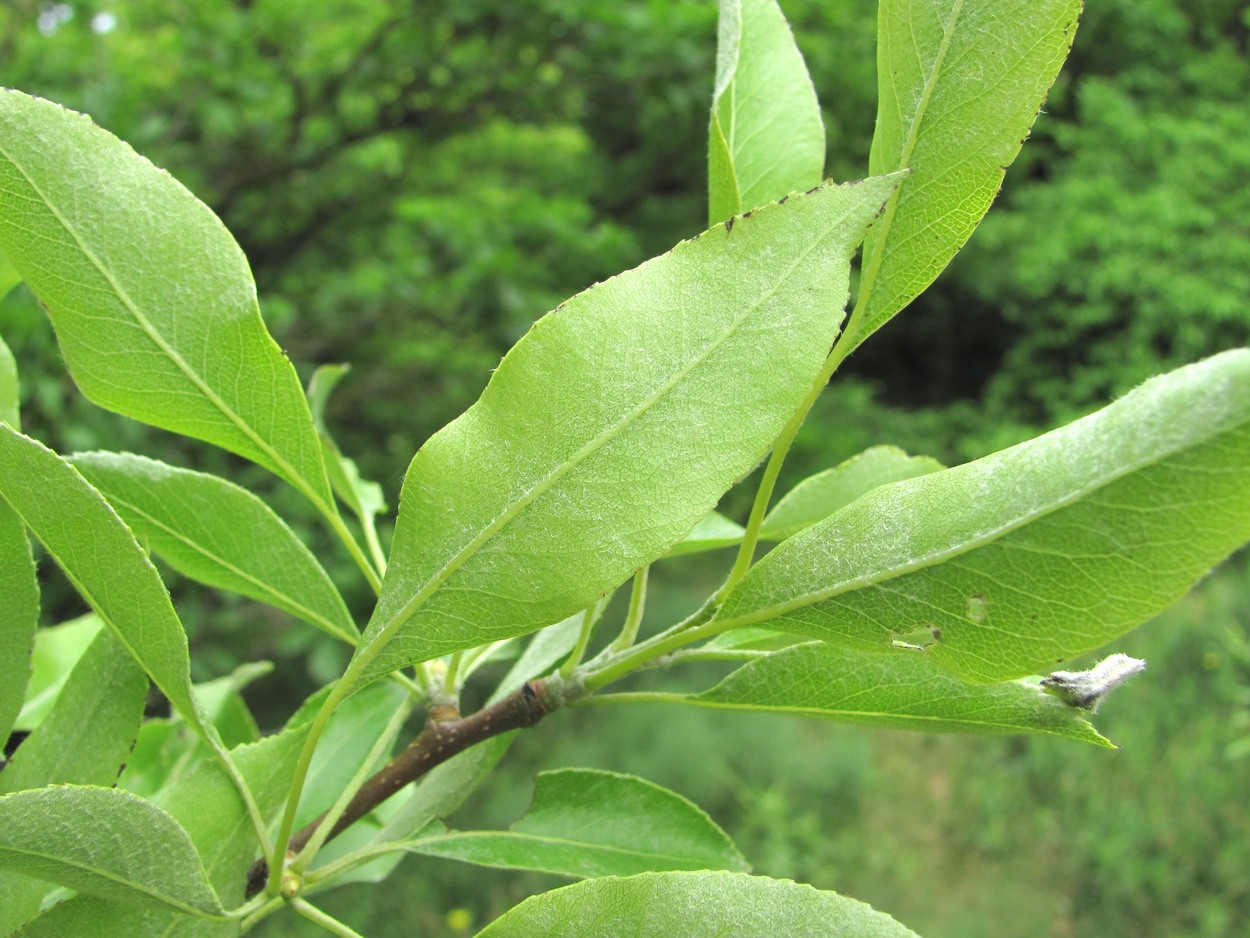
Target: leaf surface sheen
x,y
1036,553
613,427
105,842
218,533
959,85
902,690
693,905
153,303
587,823
767,137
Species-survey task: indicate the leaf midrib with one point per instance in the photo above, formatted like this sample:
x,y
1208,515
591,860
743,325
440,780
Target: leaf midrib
x,y
556,841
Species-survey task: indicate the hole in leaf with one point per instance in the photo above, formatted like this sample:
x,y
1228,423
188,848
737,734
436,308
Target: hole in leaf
x,y
917,639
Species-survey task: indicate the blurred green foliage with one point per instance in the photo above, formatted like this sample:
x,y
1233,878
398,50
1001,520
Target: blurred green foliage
x,y
415,182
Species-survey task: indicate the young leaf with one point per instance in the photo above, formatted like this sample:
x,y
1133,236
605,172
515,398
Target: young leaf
x,y
819,496
712,533
693,905
767,138
105,842
902,690
1036,553
587,823
86,737
217,533
101,558
153,303
960,82
613,426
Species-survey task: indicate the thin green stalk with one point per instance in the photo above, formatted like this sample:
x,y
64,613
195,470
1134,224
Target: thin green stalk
x,y
583,639
253,810
340,528
764,494
453,669
616,668
269,906
324,876
371,541
379,749
633,618
603,700
328,922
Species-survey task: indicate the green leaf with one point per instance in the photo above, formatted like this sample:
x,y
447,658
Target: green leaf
x,y
57,649
1037,553
693,905
9,398
363,497
960,82
105,842
101,558
217,533
88,734
902,690
587,823
547,648
767,138
570,472
153,303
84,740
19,588
819,496
713,532
209,808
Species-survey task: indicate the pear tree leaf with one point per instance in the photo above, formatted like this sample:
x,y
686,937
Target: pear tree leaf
x,y
1036,553
900,691
767,137
19,588
57,649
693,905
9,278
588,823
153,303
363,497
570,473
713,532
960,83
105,842
102,559
84,740
218,533
819,496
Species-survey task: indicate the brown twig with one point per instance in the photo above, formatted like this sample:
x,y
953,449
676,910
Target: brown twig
x,y
440,740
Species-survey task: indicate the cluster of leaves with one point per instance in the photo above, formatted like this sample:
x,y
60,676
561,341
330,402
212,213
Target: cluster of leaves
x,y
899,594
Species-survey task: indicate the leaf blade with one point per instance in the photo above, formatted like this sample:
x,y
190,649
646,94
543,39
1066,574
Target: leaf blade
x,y
578,422
901,691
152,300
1036,553
586,823
695,905
767,136
961,82
62,509
104,842
220,534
